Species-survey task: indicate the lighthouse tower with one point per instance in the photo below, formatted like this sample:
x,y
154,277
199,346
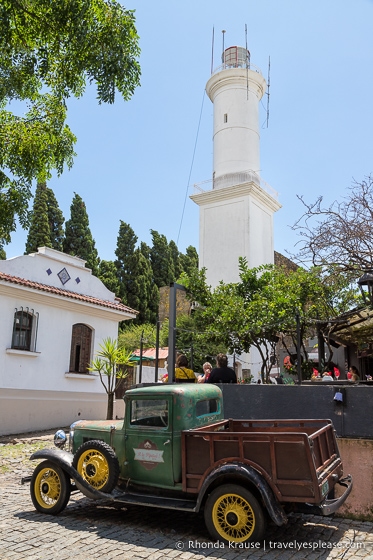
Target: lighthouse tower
x,y
236,215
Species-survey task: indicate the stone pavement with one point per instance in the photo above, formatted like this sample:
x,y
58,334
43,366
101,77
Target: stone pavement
x,y
85,531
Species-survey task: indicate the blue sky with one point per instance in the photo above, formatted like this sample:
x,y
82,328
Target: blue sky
x,y
134,159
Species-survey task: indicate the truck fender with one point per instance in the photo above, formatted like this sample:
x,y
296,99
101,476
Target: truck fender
x,y
245,473
64,460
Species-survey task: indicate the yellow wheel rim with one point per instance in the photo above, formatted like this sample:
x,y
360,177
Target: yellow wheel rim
x,y
233,518
47,488
94,468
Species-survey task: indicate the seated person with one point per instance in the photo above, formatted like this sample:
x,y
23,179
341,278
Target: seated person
x,y
222,373
353,372
207,368
182,373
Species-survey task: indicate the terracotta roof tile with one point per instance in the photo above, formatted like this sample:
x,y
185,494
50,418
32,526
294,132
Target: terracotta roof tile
x,y
66,293
150,353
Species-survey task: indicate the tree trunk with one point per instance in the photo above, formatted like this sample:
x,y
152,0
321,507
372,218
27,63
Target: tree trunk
x,y
110,406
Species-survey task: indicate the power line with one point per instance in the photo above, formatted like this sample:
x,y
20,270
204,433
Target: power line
x,y
191,167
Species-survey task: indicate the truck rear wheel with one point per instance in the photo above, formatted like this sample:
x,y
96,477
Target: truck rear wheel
x,y
98,464
50,488
233,514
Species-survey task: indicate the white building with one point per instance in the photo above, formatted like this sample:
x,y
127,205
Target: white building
x,y
236,215
54,314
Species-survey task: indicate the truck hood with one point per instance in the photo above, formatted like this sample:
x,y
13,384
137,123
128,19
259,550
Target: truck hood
x,y
99,425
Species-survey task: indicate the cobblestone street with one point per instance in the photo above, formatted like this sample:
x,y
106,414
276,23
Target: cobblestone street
x,y
85,531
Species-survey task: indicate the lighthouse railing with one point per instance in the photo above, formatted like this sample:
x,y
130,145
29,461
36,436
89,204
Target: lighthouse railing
x,y
232,179
239,64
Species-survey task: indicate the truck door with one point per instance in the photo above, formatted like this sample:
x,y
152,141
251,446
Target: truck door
x,y
149,441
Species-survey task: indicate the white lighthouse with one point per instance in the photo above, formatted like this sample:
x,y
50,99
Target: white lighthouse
x,y
236,215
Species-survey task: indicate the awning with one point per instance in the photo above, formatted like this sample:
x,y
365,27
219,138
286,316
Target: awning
x,y
144,359
354,327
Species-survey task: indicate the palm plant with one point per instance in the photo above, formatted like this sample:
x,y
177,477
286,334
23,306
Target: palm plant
x,y
110,363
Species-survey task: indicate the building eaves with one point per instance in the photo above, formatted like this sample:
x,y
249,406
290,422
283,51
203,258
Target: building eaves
x,y
115,305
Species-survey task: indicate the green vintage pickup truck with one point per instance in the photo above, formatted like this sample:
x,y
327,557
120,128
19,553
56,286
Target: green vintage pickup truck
x,y
175,450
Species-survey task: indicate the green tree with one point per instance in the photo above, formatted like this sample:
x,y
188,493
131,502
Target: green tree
x,y
144,296
137,286
125,262
193,343
110,363
176,259
78,237
260,308
130,336
145,249
49,51
46,229
56,221
161,260
107,273
189,260
39,234
2,254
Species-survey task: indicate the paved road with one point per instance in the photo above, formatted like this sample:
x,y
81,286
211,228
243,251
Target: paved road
x,y
85,531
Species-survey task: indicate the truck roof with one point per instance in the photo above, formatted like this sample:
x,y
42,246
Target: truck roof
x,y
193,390
194,404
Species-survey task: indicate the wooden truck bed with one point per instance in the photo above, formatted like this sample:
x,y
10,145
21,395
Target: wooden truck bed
x,y
298,458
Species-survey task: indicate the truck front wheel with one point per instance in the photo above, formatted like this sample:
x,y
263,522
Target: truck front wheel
x,y
233,514
97,463
50,488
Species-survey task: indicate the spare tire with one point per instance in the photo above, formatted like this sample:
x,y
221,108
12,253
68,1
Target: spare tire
x,y
98,464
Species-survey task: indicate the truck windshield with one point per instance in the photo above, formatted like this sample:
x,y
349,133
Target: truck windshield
x,y
149,413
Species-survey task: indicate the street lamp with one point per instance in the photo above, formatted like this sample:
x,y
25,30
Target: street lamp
x,y
366,280
172,330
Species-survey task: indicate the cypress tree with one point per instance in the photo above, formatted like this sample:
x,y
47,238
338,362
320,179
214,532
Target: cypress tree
x,y
145,294
189,261
107,273
39,234
161,260
175,255
125,253
145,249
56,220
78,237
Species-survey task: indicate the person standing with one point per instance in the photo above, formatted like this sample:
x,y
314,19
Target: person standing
x,y
222,373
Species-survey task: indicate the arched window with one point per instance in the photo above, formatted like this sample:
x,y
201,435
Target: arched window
x,y
80,354
24,329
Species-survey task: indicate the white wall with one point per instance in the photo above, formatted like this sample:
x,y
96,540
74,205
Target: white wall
x,y
36,389
235,222
26,411
236,93
148,374
45,369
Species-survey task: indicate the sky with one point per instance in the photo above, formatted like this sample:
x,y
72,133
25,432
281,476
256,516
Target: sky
x,y
137,161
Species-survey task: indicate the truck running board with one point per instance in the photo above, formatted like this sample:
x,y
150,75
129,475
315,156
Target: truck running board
x,y
153,501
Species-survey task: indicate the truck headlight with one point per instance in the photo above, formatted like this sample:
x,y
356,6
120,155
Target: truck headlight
x,y
60,439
